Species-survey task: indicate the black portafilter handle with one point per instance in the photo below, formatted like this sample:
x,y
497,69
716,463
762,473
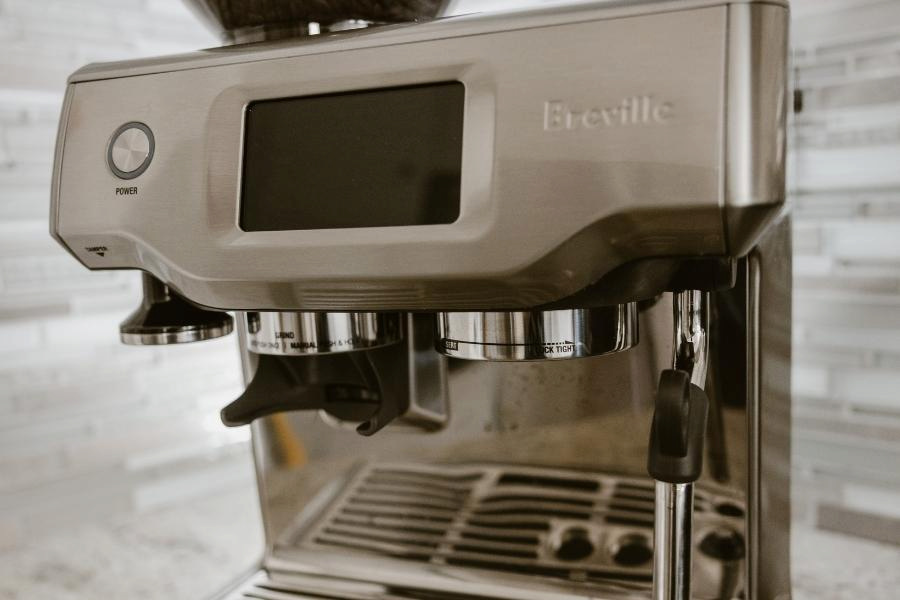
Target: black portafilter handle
x,y
164,317
278,386
678,429
352,386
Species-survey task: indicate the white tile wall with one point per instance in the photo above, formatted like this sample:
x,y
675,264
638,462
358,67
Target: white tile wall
x,y
89,427
846,194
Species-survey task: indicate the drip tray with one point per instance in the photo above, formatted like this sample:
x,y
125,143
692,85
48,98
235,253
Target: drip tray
x,y
583,530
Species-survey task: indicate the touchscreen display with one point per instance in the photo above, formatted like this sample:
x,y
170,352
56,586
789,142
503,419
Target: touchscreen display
x,y
375,158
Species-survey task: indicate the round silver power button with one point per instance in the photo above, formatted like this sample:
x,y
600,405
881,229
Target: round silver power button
x,y
130,150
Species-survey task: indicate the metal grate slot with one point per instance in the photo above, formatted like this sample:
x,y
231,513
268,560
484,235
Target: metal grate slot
x,y
398,501
594,530
458,480
495,549
384,511
511,567
441,487
403,537
637,506
357,542
414,491
548,481
428,473
537,499
499,537
380,523
635,577
628,521
533,510
636,496
644,486
506,522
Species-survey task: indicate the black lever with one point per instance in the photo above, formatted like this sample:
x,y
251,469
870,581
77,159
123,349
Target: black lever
x,y
346,385
678,430
393,382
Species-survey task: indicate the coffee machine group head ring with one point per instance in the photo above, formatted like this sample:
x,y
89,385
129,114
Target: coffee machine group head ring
x,y
314,333
537,334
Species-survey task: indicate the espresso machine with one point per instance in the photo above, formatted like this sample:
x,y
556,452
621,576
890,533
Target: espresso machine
x,y
512,290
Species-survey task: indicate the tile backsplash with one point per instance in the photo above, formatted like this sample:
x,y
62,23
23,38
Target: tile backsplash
x,y
845,188
89,427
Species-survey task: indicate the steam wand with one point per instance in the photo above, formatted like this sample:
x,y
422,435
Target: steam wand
x,y
675,457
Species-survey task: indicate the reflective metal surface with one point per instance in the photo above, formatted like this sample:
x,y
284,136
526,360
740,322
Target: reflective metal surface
x,y
703,177
305,333
768,355
130,150
633,185
591,416
674,510
673,541
586,532
537,335
164,317
691,348
163,336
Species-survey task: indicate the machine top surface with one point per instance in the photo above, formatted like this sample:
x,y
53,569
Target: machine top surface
x,y
400,33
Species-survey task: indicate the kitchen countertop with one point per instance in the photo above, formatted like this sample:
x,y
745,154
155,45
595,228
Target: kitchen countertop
x,y
184,552
189,551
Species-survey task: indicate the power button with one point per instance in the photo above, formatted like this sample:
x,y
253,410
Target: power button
x,y
130,150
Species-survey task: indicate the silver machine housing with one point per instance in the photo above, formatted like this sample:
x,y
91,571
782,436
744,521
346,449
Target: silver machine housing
x,y
621,213
671,148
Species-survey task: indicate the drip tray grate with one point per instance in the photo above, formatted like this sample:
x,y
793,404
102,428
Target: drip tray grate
x,y
567,525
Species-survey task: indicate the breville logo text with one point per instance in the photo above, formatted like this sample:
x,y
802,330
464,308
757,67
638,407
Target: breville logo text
x,y
633,111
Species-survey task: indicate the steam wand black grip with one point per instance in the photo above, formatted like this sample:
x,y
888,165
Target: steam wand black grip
x,y
678,430
675,460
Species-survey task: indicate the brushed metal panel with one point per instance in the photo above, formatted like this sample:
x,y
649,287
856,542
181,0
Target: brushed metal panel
x,y
590,414
756,133
628,190
757,104
769,414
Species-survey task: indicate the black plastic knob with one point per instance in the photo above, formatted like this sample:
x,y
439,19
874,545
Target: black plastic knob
x,y
164,317
678,430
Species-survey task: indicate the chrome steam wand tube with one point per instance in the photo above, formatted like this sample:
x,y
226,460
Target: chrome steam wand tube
x,y
691,351
672,537
676,446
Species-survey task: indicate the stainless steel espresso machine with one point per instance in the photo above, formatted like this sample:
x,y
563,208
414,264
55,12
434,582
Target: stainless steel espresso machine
x,y
512,289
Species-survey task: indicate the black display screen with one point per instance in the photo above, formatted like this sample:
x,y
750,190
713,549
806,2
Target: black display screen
x,y
376,158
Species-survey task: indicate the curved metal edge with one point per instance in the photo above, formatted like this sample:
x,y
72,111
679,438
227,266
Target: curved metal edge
x,y
166,336
756,105
57,170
